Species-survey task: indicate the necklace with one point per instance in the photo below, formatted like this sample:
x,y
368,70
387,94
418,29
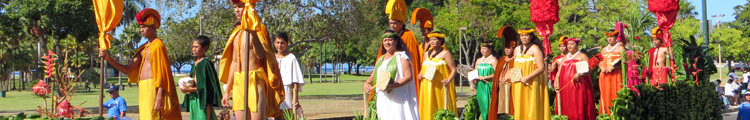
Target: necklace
x,y
484,60
613,48
574,55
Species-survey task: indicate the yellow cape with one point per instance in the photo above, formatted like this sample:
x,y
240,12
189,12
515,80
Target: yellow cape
x,y
161,75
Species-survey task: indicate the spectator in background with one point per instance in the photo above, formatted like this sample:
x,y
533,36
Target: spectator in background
x,y
744,113
746,76
723,98
116,106
729,89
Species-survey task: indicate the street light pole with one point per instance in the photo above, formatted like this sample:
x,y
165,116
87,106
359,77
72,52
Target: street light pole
x,y
718,25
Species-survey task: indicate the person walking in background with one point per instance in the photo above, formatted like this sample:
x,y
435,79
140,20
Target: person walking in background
x,y
205,93
150,68
116,107
437,92
530,97
396,100
291,75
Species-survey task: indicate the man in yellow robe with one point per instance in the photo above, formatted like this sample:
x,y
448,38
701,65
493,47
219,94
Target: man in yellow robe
x,y
150,68
249,53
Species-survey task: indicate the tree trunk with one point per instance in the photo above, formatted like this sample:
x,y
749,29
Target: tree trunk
x,y
350,67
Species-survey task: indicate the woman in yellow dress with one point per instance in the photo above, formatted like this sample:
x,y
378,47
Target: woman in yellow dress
x,y
436,87
530,99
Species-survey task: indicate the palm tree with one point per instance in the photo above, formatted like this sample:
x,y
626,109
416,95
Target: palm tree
x,y
687,11
132,7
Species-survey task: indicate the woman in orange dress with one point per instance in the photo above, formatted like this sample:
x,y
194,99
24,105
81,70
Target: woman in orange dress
x,y
610,75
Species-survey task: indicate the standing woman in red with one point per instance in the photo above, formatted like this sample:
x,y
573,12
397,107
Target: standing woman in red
x,y
575,86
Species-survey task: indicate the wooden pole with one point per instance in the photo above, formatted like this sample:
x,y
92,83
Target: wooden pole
x,y
246,71
366,103
101,87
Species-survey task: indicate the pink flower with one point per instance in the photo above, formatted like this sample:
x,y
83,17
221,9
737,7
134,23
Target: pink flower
x,y
41,88
65,109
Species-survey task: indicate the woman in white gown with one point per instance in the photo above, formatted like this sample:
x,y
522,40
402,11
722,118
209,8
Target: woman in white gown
x,y
398,100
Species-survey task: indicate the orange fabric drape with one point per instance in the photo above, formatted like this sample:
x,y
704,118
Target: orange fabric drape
x,y
108,15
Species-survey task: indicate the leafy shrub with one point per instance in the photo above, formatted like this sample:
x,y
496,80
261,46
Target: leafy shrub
x,y
471,108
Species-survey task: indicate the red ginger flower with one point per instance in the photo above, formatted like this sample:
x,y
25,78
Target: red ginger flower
x,y
41,88
65,109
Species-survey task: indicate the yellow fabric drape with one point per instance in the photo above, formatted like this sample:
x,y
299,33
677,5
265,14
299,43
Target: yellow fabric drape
x,y
432,96
108,15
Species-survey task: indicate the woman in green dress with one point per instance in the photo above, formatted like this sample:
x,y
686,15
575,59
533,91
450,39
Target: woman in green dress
x,y
485,68
205,93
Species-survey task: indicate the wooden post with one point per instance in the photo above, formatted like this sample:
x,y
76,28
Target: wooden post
x,y
101,87
247,69
366,99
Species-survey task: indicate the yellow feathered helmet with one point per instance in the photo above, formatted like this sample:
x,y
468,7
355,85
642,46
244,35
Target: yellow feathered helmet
x,y
396,9
656,33
563,39
424,16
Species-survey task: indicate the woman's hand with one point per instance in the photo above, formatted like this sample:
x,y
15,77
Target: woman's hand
x,y
445,82
577,75
367,87
225,100
525,81
420,77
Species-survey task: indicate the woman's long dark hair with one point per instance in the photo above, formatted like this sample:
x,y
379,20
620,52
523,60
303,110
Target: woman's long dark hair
x,y
438,48
400,45
534,40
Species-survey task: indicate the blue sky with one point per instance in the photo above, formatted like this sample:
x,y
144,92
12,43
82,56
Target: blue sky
x,y
716,7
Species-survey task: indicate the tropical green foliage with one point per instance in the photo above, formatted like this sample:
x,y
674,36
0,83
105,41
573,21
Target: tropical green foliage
x,y
471,109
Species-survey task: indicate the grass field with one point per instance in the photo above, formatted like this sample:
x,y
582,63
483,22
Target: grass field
x,y
350,85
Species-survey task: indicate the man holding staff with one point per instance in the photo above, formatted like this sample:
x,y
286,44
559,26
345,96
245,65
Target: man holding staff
x,y
157,96
248,63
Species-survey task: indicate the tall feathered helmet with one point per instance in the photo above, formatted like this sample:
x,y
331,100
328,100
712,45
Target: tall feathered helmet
x,y
510,35
396,9
424,16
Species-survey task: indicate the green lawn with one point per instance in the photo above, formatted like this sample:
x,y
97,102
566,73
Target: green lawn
x,y
350,86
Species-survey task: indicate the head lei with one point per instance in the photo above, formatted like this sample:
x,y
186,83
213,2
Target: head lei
x,y
656,33
563,39
612,34
525,31
149,17
396,9
424,16
436,34
573,40
389,35
487,44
